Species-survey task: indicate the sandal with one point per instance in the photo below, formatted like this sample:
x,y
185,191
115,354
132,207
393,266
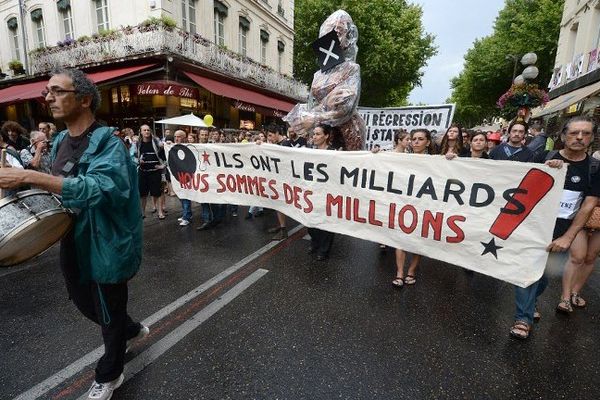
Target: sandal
x,y
564,306
398,282
577,300
520,330
410,280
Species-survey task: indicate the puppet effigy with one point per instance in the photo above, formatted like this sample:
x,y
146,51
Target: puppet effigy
x,y
335,89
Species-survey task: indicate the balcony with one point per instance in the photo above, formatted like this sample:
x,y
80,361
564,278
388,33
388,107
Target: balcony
x,y
140,41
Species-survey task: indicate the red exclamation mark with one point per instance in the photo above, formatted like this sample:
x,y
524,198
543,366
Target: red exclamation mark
x,y
532,189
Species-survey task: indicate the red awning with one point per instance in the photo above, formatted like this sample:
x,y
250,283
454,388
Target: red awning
x,y
32,90
236,93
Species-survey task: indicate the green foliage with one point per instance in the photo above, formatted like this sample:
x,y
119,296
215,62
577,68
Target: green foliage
x,y
15,65
83,39
164,21
522,26
393,46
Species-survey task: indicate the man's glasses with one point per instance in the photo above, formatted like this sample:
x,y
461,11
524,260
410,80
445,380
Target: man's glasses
x,y
57,92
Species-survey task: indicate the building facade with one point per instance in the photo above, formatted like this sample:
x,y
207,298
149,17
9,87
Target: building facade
x,y
575,82
230,58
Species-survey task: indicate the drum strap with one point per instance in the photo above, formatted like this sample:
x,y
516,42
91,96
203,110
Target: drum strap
x,y
70,167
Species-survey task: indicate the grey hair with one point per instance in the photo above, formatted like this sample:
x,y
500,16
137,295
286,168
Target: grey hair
x,y
34,134
83,85
580,118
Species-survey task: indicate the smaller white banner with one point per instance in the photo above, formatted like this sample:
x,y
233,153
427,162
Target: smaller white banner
x,y
382,123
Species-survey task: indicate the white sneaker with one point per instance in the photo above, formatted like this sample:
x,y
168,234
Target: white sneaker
x,y
184,222
180,219
104,391
144,331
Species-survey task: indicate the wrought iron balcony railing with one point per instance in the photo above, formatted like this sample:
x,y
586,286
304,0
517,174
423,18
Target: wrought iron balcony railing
x,y
151,40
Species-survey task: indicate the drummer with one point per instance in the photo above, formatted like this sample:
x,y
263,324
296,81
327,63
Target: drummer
x,y
94,174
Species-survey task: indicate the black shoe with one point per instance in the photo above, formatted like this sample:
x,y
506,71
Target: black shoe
x,y
259,214
311,249
249,216
321,257
204,226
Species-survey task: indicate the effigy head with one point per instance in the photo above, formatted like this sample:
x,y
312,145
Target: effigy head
x,y
341,22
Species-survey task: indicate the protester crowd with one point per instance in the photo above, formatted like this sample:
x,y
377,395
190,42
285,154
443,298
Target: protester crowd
x,y
520,142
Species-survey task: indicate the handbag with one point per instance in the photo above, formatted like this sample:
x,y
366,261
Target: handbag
x,y
593,221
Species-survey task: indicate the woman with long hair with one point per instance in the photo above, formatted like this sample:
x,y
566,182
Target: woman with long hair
x,y
421,143
452,142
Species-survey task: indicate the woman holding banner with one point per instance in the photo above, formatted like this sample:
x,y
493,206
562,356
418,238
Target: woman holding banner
x,y
321,241
421,143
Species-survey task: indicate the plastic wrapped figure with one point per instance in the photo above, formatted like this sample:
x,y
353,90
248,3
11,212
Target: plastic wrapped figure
x,y
334,92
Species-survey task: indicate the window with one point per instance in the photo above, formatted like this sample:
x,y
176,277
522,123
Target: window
x,y
39,30
243,35
102,15
264,40
220,15
188,12
13,30
280,51
64,11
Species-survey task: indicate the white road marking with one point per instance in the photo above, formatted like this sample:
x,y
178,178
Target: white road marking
x,y
50,383
146,358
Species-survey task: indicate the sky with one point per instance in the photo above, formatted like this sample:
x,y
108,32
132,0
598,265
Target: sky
x,y
456,25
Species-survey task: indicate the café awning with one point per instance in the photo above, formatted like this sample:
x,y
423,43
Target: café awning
x,y
241,94
32,90
561,102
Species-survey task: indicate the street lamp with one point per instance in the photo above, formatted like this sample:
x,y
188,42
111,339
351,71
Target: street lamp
x,y
530,72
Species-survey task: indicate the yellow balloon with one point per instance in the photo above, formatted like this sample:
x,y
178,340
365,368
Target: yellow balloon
x,y
208,119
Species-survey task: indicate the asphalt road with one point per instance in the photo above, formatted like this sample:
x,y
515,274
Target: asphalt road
x,y
236,316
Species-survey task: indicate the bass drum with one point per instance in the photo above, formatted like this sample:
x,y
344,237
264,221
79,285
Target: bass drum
x,y
30,222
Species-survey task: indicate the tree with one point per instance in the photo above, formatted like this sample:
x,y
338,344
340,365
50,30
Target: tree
x,y
522,26
393,46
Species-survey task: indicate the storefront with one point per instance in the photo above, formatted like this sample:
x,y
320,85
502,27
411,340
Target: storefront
x,y
141,94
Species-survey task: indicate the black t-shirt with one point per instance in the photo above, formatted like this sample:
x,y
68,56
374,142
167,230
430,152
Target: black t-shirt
x,y
71,148
299,142
579,183
149,160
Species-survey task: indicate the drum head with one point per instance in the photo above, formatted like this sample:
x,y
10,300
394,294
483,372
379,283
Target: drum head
x,y
34,237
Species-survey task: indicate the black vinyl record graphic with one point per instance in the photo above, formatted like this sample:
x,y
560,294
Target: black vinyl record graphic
x,y
181,160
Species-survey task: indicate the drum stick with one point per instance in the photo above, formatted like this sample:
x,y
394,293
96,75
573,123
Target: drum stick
x,y
2,164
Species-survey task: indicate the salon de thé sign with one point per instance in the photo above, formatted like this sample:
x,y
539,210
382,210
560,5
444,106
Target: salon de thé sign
x,y
165,89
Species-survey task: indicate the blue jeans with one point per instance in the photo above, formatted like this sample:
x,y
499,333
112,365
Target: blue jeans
x,y
525,299
186,213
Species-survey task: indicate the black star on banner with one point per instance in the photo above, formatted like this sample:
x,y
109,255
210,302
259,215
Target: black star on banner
x,y
491,247
328,51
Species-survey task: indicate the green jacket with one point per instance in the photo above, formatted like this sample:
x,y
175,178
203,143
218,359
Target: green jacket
x,y
108,230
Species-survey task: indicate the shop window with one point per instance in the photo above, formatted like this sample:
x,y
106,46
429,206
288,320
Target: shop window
x,y
188,13
38,27
102,23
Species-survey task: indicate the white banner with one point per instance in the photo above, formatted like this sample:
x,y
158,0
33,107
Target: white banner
x,y
382,123
493,217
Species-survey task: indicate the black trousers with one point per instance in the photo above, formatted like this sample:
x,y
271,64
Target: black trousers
x,y
321,241
105,305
